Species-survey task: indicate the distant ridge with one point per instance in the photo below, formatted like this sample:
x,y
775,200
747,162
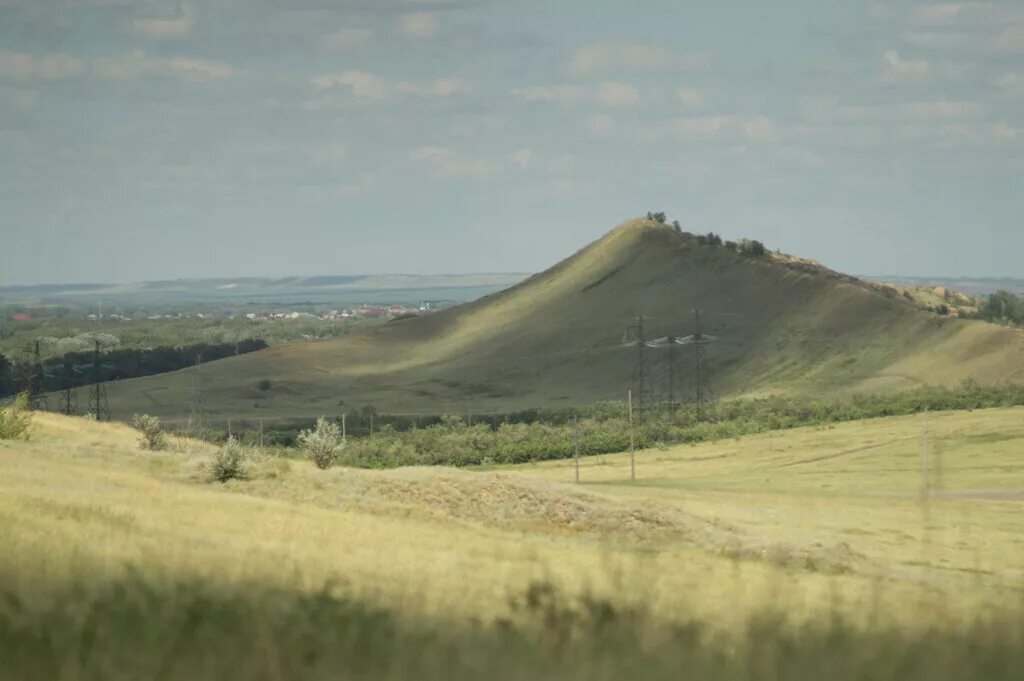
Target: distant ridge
x,y
785,325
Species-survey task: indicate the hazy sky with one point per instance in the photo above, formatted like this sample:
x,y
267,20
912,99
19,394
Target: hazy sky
x,y
144,139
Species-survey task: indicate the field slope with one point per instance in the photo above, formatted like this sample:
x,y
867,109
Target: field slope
x,y
121,564
783,326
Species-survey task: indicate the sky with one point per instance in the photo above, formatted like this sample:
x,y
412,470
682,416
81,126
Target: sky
x,y
148,139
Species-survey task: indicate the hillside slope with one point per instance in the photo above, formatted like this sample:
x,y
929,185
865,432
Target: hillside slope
x,y
783,325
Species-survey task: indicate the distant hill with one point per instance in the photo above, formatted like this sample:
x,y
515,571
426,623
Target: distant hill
x,y
783,325
973,286
341,290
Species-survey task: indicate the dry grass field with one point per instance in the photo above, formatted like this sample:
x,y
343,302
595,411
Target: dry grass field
x,y
808,525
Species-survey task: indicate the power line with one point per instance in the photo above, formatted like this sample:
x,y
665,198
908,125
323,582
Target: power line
x,y
98,391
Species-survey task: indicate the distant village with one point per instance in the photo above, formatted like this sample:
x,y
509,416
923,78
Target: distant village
x,y
355,313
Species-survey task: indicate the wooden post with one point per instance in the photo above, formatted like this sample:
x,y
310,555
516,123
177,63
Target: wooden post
x,y
924,456
632,440
371,425
576,420
261,435
343,433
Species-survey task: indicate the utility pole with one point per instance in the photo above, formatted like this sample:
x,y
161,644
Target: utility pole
x,y
576,421
671,407
924,457
702,384
635,337
69,394
37,381
632,439
198,400
98,391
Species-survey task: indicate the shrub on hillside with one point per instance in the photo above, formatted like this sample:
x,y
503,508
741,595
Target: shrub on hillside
x,y
323,443
228,462
16,419
151,432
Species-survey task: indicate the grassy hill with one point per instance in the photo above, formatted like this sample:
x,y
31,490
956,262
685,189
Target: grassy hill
x,y
775,556
783,325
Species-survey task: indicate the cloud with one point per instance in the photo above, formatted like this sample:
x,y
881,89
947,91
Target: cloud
x,y
345,39
618,95
610,94
419,24
974,27
439,87
965,14
369,87
363,85
1011,84
690,98
18,99
829,109
521,158
724,128
600,126
137,65
25,66
164,29
445,163
899,70
619,57
558,94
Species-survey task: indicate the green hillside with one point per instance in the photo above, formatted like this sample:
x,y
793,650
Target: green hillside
x,y
783,326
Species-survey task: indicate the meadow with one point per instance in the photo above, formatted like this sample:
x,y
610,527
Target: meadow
x,y
825,550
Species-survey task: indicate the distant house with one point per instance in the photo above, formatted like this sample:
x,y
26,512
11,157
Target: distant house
x,y
21,317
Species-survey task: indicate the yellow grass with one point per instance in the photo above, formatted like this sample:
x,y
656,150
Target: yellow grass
x,y
803,520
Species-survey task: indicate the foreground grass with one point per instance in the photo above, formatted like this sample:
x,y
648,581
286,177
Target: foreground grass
x,y
720,561
137,629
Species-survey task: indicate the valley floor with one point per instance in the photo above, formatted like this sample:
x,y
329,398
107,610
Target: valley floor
x,y
806,524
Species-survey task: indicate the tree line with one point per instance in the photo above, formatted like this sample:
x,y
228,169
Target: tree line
x,y
76,368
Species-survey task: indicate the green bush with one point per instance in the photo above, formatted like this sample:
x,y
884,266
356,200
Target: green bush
x,y
16,419
229,462
151,432
605,427
323,443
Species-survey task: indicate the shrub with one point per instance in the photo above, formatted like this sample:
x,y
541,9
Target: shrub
x,y
151,432
16,419
228,462
323,443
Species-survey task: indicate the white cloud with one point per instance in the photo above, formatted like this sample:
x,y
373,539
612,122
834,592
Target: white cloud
x,y
966,14
1011,84
899,70
690,98
345,39
163,29
725,128
370,87
611,94
618,95
440,87
974,27
18,99
558,94
600,126
328,153
137,64
521,158
363,85
829,109
419,24
444,163
619,56
25,66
